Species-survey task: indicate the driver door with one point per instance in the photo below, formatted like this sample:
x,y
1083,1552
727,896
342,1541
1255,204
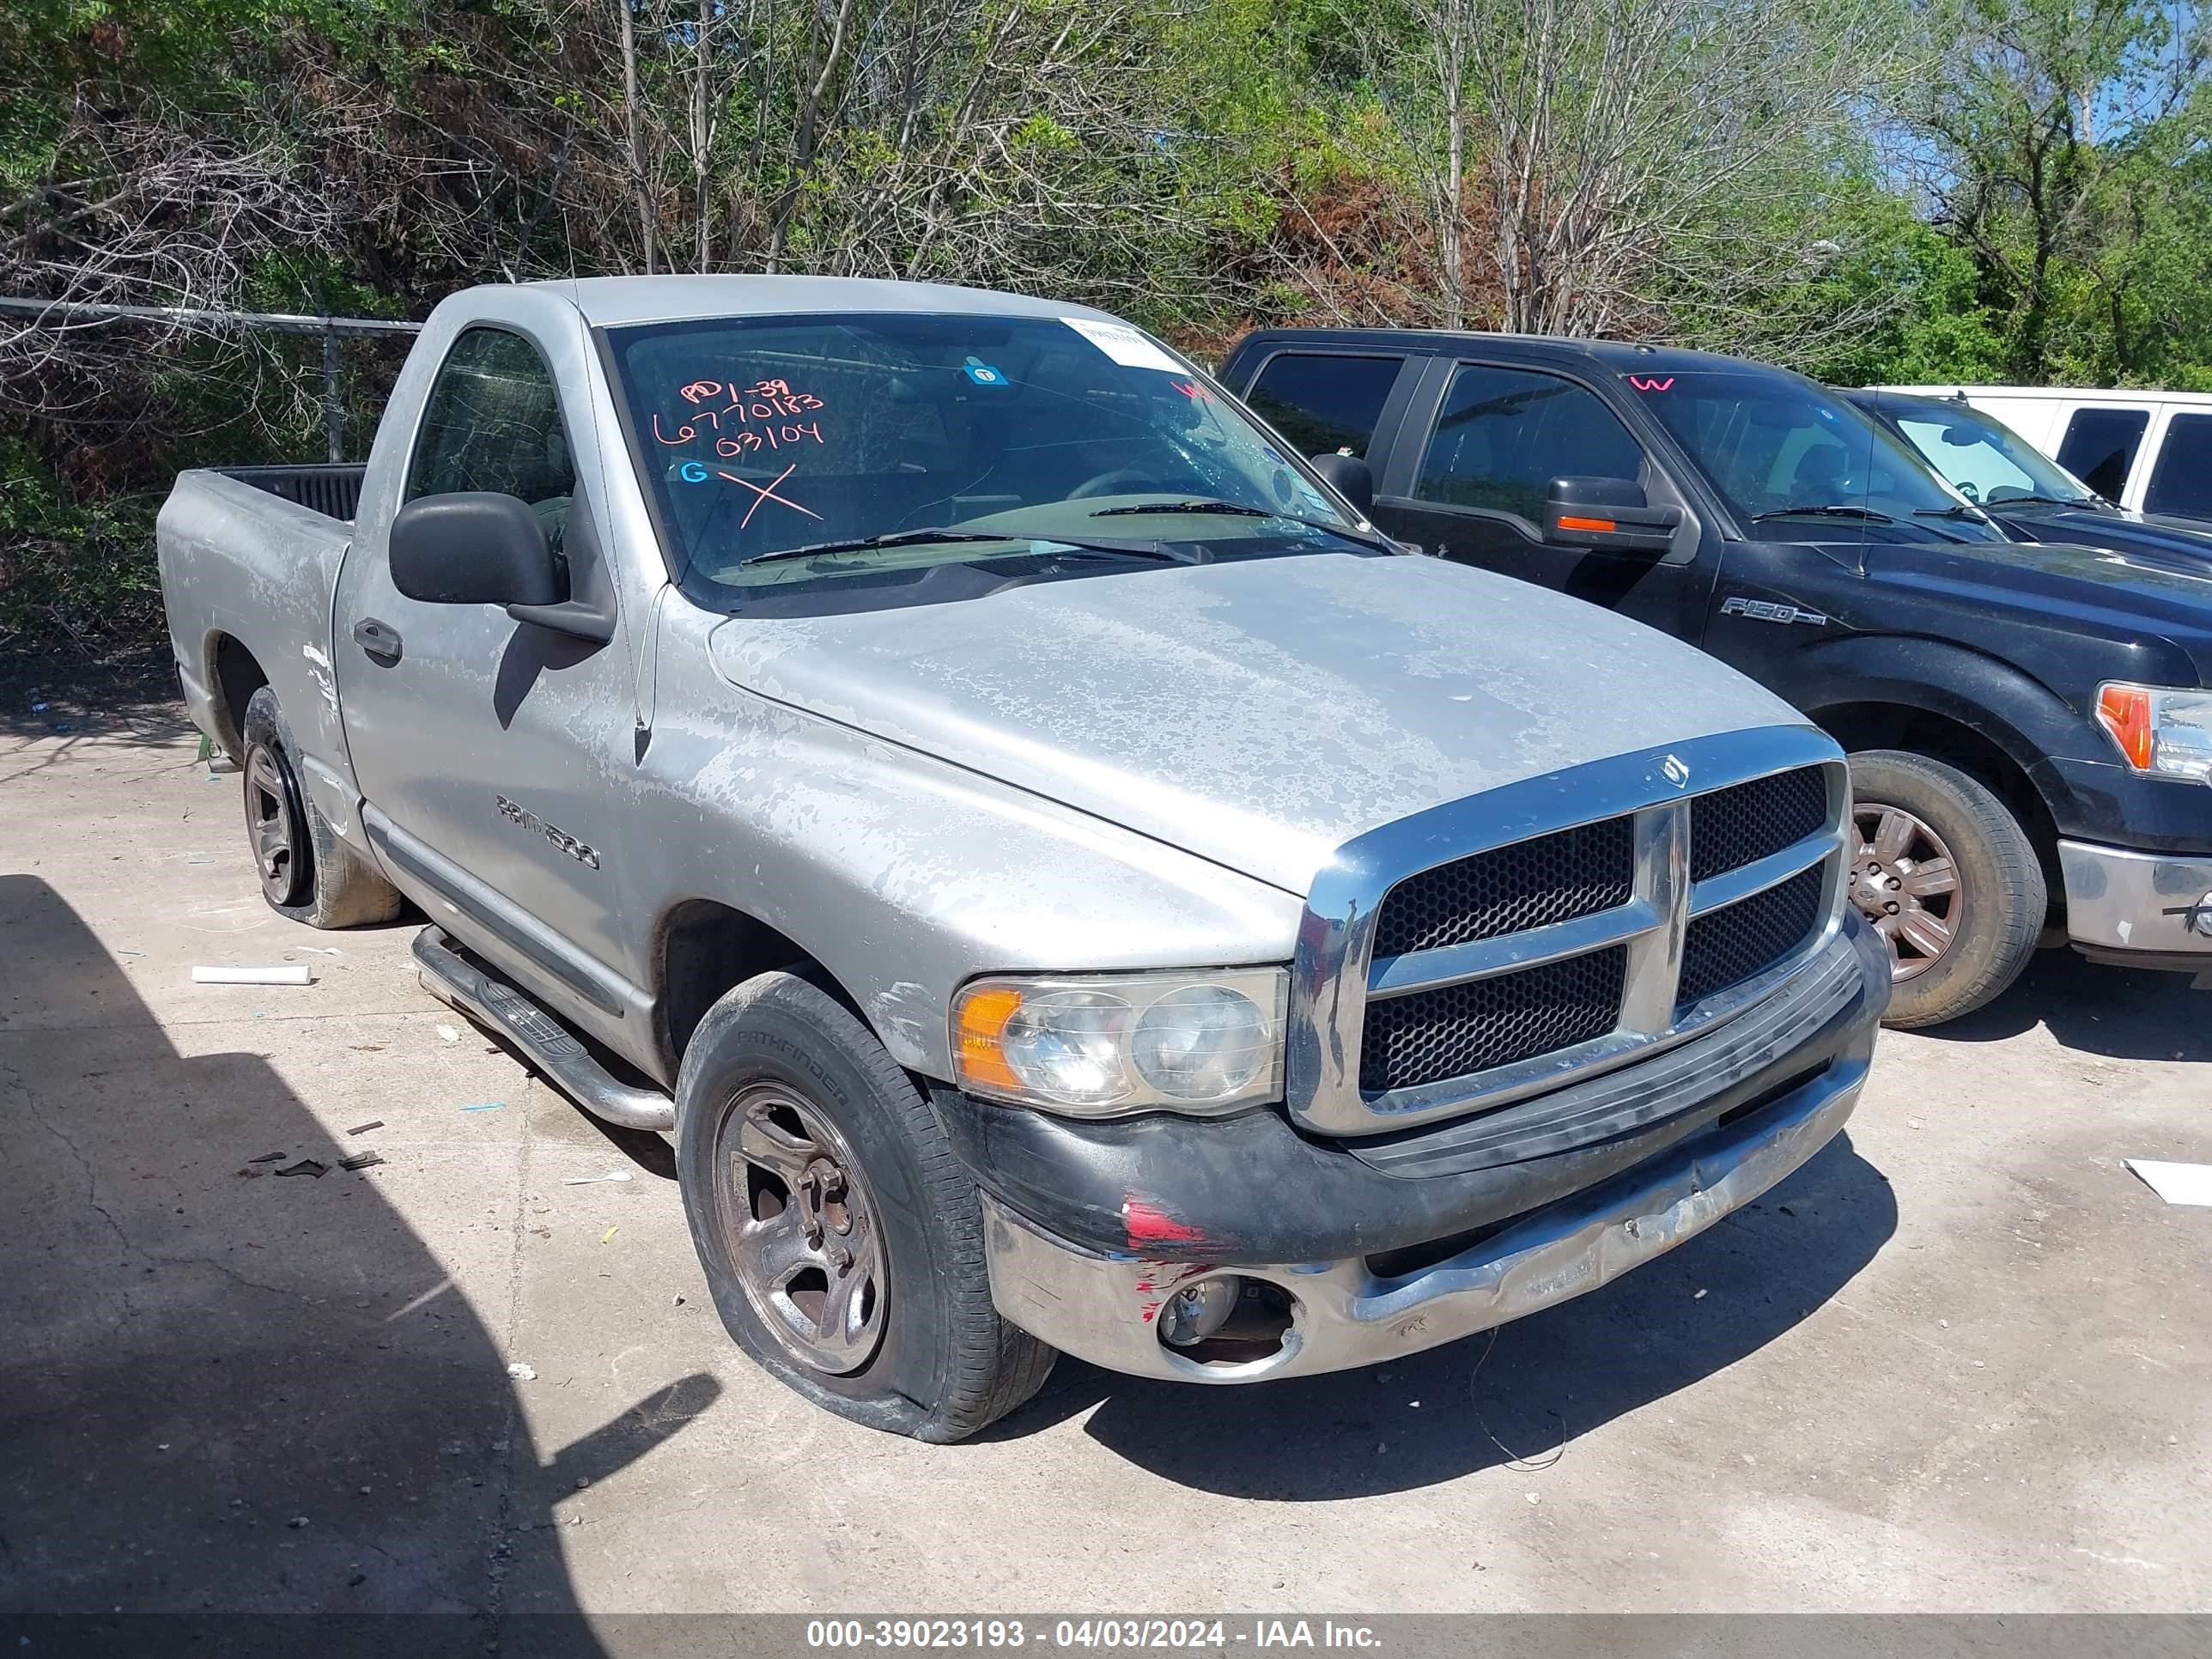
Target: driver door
x,y
489,751
1487,454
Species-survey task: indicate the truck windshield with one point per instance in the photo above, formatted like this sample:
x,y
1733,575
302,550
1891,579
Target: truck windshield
x,y
1984,459
1030,437
1777,448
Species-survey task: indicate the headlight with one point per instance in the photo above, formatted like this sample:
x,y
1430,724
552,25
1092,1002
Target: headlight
x,y
2166,732
1096,1045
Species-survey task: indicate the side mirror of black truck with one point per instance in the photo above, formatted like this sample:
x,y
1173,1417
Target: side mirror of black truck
x,y
1349,477
1606,513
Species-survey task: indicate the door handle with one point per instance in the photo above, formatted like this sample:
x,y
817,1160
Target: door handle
x,y
381,639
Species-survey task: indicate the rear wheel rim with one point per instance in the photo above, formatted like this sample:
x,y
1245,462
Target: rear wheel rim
x,y
801,1225
1905,884
272,823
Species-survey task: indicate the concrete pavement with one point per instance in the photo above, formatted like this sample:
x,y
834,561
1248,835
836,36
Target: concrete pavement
x,y
1961,1361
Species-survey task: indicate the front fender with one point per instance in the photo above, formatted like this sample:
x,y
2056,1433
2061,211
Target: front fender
x,y
906,876
2024,717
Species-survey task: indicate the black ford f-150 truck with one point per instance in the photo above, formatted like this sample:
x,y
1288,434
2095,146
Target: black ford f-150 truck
x,y
2030,726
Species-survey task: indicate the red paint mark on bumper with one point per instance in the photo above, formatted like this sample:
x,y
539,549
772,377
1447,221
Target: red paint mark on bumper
x,y
1148,1223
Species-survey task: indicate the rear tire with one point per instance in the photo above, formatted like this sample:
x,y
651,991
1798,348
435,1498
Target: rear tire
x,y
842,1240
1944,873
306,871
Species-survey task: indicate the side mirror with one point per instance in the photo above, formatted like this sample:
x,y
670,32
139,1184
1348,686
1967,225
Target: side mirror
x,y
1606,513
1349,477
473,548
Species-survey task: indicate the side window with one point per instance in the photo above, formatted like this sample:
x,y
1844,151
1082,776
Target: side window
x,y
2182,481
2099,446
1504,434
1324,403
493,421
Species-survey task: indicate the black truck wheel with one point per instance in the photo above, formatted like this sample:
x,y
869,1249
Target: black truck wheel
x,y
842,1239
1943,872
307,873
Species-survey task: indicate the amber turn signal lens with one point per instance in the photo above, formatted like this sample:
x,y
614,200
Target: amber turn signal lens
x,y
1567,522
2125,712
982,1032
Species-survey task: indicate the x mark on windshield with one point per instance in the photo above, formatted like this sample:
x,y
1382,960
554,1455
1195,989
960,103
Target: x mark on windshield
x,y
767,494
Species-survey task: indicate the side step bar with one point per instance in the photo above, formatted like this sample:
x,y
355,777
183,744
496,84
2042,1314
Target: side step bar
x,y
551,1048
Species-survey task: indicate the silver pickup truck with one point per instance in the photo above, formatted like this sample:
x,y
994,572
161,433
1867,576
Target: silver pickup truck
x,y
1065,880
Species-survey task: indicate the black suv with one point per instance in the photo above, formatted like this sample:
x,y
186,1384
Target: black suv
x,y
2030,726
2026,494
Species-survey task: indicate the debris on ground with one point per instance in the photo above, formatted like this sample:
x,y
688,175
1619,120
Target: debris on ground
x,y
591,1180
449,1034
307,1166
608,1237
321,950
296,973
485,1106
267,1157
2177,1183
363,1128
361,1160
522,1373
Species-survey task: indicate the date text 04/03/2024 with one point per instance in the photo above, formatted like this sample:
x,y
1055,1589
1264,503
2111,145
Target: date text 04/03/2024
x,y
1113,1634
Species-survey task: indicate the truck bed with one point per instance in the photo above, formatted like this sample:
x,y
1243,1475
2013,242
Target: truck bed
x,y
331,488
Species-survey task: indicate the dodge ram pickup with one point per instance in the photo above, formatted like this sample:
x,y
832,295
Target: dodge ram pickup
x,y
2030,726
1065,881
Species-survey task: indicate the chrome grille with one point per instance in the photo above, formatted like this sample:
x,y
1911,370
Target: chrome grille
x,y
1508,890
1731,827
1478,954
1460,1030
1726,947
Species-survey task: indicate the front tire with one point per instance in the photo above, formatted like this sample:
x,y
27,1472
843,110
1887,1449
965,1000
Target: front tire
x,y
842,1239
306,873
1945,873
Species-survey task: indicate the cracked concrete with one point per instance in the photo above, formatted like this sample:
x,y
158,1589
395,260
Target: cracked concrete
x,y
1961,1361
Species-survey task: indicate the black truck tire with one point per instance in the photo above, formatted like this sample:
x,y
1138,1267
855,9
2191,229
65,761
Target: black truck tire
x,y
307,873
798,1137
1910,812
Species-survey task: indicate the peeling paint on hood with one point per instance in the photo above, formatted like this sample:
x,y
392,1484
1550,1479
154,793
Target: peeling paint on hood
x,y
1258,714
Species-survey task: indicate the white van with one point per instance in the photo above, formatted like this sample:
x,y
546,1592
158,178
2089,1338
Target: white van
x,y
2151,451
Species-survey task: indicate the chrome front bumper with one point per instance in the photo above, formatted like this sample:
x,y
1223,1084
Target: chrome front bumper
x,y
1102,1308
2125,904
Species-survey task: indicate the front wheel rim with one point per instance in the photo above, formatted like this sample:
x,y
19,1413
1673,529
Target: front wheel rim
x,y
1905,882
271,823
801,1225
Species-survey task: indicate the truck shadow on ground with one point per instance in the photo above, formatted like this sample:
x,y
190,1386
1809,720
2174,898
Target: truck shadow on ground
x,y
226,1389
1520,1395
2121,1014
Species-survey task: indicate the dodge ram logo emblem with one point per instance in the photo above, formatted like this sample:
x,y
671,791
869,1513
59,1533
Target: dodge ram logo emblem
x,y
1677,774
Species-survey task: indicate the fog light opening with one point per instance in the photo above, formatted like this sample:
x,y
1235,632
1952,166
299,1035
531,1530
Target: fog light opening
x,y
1230,1321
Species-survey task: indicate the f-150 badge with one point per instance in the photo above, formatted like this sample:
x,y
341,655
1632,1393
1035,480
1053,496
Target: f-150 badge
x,y
1769,610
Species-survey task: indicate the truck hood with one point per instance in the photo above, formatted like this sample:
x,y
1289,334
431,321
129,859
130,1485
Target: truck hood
x,y
2100,613
2113,527
1257,713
